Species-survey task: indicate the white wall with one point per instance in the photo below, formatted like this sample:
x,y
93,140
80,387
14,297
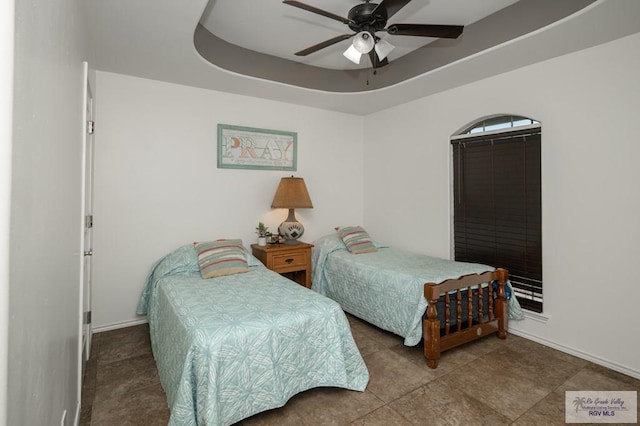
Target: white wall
x,y
7,16
157,185
45,257
588,103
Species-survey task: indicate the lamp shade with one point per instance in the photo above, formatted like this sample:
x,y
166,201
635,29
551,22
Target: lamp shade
x,y
383,48
363,42
352,54
291,194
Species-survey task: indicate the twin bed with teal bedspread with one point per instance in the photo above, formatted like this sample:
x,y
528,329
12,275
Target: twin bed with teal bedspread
x,y
386,287
232,346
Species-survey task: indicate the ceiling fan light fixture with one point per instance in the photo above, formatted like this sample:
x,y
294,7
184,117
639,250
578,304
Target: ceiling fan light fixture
x,y
352,54
383,48
363,42
365,19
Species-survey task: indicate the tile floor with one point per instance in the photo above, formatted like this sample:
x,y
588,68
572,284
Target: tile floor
x,y
487,382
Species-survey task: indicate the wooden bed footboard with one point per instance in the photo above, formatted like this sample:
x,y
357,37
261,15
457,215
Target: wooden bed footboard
x,y
490,315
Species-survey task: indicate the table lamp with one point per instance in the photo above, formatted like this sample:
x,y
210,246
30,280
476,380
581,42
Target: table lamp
x,y
291,194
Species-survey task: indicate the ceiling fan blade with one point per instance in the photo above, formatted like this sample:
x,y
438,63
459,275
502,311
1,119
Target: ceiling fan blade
x,y
438,31
391,6
375,62
324,44
318,11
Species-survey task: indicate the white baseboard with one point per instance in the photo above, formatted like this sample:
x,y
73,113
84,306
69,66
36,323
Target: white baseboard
x,y
118,325
571,351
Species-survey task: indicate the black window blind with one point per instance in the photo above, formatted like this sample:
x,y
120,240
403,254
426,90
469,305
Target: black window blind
x,y
498,207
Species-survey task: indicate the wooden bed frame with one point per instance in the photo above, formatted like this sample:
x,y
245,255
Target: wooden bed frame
x,y
465,329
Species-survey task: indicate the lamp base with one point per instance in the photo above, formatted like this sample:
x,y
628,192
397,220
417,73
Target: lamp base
x,y
291,229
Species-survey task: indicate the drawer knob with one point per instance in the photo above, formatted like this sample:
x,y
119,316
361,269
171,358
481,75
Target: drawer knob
x,y
289,260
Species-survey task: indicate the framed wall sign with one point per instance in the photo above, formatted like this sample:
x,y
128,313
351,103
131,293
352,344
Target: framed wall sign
x,y
260,149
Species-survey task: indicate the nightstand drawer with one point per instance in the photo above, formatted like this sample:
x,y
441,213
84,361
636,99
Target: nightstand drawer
x,y
293,262
290,260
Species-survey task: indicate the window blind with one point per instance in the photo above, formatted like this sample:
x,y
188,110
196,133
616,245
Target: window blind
x,y
498,207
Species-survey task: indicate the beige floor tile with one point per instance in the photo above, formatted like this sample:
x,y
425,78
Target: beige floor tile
x,y
383,416
511,394
281,417
333,406
392,375
487,382
449,360
366,344
382,337
438,404
144,407
549,412
595,378
318,406
128,375
539,364
527,347
118,344
486,345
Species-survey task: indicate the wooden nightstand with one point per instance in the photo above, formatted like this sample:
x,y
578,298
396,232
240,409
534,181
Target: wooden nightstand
x,y
293,262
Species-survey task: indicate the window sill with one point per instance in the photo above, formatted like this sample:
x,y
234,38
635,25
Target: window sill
x,y
535,316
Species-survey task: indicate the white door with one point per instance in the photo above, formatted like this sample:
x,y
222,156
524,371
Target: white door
x,y
87,243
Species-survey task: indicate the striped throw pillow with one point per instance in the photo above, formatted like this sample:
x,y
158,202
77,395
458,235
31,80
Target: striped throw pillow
x,y
221,257
356,239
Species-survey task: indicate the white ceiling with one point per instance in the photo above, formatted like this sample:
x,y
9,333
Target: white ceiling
x,y
154,39
280,30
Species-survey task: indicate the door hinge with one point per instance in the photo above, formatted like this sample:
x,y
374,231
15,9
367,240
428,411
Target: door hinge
x,y
90,127
86,317
88,221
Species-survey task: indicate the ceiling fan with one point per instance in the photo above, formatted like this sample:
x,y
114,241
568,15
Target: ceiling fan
x,y
365,20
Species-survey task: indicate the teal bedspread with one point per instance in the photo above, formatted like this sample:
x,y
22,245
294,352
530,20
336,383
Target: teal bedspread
x,y
230,347
385,288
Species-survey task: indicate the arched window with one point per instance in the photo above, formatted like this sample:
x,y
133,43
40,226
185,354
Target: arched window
x,y
497,200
